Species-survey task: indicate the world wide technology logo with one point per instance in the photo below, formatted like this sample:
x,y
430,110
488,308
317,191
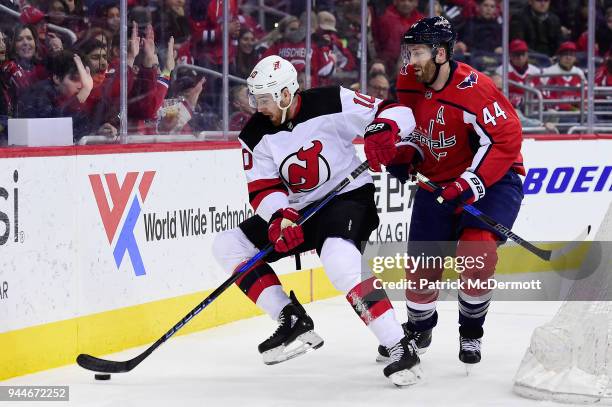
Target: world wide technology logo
x,y
112,214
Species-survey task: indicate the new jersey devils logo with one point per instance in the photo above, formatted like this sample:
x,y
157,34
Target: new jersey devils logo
x,y
305,170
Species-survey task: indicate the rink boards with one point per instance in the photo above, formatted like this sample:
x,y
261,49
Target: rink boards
x,y
104,248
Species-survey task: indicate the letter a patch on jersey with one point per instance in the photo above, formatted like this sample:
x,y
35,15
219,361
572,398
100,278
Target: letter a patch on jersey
x,y
440,116
469,81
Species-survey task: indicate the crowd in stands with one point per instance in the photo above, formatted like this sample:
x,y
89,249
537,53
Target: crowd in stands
x,y
45,73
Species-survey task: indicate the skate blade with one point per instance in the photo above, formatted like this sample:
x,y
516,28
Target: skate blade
x,y
304,343
385,359
468,368
407,377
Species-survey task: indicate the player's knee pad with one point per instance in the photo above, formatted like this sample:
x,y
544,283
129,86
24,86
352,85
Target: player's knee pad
x,y
476,259
342,263
232,247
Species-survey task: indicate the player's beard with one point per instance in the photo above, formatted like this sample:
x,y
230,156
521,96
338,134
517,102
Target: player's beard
x,y
275,118
425,73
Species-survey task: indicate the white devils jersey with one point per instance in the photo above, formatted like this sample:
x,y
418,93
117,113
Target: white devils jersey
x,y
300,161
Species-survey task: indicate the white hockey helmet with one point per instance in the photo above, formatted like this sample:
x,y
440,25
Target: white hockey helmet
x,y
270,76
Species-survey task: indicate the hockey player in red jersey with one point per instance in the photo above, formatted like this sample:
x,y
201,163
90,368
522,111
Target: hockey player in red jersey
x,y
296,148
467,139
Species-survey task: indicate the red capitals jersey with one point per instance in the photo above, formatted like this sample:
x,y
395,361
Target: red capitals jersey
x,y
516,95
574,78
467,126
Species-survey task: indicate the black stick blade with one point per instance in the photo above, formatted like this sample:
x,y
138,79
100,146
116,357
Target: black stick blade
x,y
101,365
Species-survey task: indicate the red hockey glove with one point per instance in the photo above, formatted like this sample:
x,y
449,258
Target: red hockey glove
x,y
466,189
380,139
283,232
15,74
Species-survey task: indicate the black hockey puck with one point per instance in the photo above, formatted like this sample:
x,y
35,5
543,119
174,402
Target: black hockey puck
x,y
102,376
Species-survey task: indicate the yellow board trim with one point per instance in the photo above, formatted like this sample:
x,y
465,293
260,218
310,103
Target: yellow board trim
x,y
55,344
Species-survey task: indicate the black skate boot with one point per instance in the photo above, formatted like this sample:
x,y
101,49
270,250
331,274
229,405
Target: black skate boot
x,y
470,341
294,336
422,340
404,369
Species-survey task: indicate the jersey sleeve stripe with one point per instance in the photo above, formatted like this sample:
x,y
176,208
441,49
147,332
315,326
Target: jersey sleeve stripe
x,y
260,189
263,184
485,140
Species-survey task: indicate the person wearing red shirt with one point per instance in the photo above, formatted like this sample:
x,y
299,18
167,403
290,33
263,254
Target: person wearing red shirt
x,y
520,70
567,75
23,68
603,75
468,140
389,28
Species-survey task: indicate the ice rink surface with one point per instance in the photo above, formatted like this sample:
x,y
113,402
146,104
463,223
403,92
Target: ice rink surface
x,y
221,366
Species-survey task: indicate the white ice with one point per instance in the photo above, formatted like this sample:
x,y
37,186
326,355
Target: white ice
x,y
221,366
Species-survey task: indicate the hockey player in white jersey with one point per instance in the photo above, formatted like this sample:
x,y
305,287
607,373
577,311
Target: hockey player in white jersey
x,y
296,148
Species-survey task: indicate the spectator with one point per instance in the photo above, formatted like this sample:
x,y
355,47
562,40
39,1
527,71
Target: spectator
x,y
603,75
171,21
349,27
58,14
327,38
377,66
246,56
35,18
107,16
23,68
207,32
150,85
239,98
293,48
525,121
519,71
603,34
483,32
469,8
3,47
389,29
63,95
568,75
4,98
179,115
98,34
284,26
539,27
378,86
95,57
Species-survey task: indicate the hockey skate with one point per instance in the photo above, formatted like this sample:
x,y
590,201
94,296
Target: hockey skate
x,y
294,336
469,352
470,341
405,366
422,341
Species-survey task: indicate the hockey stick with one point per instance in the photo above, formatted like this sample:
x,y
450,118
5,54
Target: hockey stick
x,y
110,366
548,255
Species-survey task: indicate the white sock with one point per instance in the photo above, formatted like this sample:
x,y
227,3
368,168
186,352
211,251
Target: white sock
x,y
272,300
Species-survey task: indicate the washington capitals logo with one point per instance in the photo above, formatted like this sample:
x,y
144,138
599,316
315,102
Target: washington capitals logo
x,y
469,81
112,216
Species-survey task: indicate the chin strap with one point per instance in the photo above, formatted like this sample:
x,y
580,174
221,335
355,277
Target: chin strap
x,y
284,109
438,66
